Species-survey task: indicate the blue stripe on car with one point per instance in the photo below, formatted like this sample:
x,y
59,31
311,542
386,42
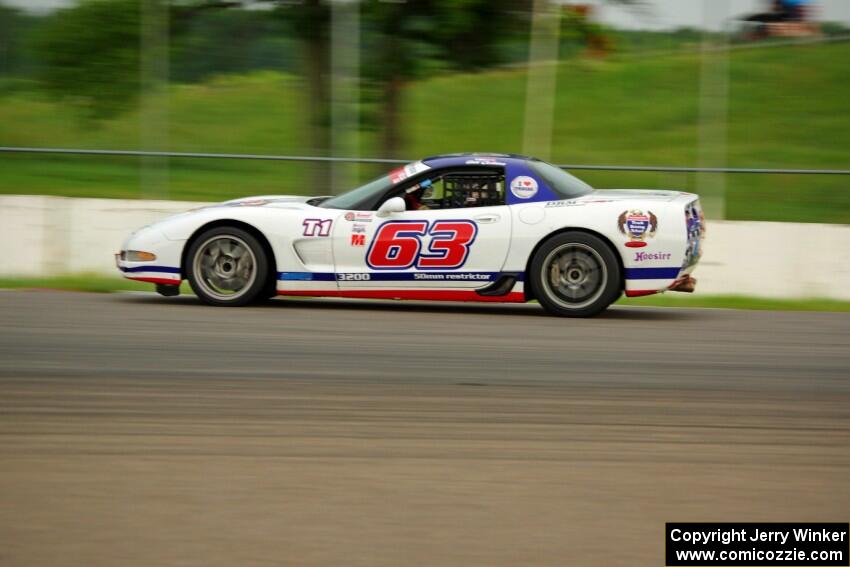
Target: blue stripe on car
x,y
652,273
163,269
396,276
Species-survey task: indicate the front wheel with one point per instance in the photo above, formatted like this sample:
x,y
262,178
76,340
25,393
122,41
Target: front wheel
x,y
227,266
575,274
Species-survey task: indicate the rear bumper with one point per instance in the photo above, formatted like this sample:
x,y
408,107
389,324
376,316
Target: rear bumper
x,y
647,281
686,284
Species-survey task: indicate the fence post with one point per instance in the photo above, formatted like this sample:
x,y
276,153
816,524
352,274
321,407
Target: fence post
x,y
713,109
542,79
153,108
345,90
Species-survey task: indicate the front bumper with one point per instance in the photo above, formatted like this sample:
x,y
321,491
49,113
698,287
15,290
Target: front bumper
x,y
145,272
165,269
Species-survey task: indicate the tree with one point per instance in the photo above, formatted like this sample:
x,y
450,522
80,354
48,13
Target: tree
x,y
90,55
408,39
15,29
309,22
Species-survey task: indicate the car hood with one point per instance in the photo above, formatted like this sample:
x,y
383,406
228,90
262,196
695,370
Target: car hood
x,y
263,200
631,194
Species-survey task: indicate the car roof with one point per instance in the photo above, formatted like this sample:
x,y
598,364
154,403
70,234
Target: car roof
x,y
450,160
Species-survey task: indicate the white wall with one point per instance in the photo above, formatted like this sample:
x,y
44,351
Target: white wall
x,y
776,259
56,235
670,14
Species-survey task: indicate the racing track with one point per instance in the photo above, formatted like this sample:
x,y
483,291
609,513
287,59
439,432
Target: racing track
x,y
139,430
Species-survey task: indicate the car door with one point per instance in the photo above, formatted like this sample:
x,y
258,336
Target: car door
x,y
451,248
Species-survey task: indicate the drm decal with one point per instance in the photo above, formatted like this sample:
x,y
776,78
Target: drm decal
x,y
398,245
317,227
637,226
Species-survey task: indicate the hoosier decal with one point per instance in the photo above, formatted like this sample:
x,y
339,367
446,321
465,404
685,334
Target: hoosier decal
x,y
652,256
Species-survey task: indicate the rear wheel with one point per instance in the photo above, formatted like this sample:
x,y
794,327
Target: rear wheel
x,y
227,266
575,274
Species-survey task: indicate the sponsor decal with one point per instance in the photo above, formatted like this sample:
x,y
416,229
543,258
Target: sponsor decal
x,y
399,276
451,277
252,203
652,256
317,227
484,161
409,170
358,240
638,226
575,203
358,216
358,227
695,223
524,187
354,277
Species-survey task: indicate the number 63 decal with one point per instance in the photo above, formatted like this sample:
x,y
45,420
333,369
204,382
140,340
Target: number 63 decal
x,y
398,245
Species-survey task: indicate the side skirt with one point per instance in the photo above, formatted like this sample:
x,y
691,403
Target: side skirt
x,y
411,294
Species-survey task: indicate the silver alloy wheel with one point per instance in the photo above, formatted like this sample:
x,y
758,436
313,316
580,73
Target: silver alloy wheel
x,y
225,267
574,275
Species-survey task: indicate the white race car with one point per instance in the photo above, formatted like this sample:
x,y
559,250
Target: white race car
x,y
461,227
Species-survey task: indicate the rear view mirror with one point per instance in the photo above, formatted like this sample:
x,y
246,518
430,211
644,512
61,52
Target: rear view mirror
x,y
390,206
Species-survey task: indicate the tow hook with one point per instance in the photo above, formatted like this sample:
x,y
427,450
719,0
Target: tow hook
x,y
687,285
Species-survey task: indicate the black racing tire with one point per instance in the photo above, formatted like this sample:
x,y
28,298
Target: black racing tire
x,y
575,274
227,257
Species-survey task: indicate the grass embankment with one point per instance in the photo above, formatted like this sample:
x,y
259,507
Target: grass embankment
x,y
105,284
81,282
737,302
787,108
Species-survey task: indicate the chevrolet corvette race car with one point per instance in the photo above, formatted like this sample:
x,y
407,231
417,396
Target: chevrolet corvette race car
x,y
460,227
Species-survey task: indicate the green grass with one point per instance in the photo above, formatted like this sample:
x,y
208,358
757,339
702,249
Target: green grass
x,y
787,109
737,302
81,282
106,284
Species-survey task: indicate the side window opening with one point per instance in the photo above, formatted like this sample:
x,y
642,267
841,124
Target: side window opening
x,y
454,189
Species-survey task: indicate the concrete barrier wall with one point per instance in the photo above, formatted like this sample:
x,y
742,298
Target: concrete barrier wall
x,y
58,235
55,235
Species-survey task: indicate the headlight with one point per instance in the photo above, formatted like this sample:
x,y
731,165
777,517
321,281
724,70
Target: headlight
x,y
138,256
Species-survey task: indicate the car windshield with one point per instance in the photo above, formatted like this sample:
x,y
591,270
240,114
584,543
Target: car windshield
x,y
561,182
350,199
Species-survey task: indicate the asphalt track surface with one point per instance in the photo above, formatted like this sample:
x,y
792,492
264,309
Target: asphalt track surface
x,y
139,430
